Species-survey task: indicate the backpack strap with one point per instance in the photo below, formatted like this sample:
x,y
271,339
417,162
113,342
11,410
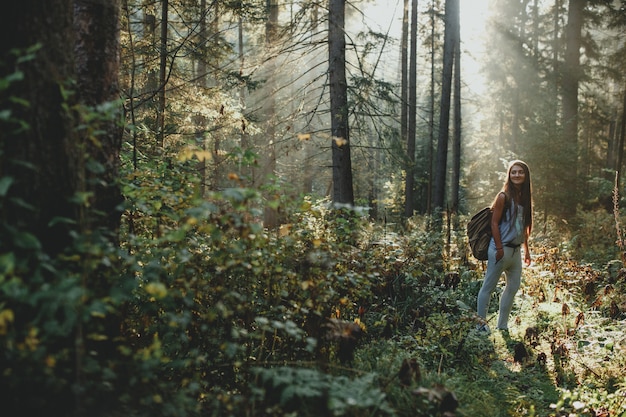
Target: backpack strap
x,y
505,211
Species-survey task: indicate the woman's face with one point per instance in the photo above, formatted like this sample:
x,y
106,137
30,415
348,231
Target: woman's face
x,y
517,175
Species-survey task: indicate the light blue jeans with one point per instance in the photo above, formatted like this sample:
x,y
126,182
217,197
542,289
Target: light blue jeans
x,y
511,265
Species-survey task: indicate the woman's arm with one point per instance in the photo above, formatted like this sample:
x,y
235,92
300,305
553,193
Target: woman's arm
x,y
526,249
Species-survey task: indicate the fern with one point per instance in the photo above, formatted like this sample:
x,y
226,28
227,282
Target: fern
x,y
311,392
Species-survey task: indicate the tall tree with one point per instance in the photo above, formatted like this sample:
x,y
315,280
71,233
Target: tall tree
x,y
97,70
342,164
271,36
42,161
58,169
409,205
571,73
201,82
620,138
456,143
431,113
452,9
163,71
404,71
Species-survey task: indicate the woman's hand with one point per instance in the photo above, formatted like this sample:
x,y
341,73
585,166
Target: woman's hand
x,y
499,254
527,259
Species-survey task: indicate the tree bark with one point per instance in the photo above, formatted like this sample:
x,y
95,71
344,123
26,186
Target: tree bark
x,y
270,217
570,80
43,160
620,141
163,72
444,116
97,53
342,166
456,143
409,205
201,82
54,157
404,57
431,115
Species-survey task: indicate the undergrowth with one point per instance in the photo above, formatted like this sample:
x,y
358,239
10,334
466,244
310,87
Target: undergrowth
x,y
329,315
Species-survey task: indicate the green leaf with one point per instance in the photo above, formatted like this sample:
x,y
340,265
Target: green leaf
x,y
5,184
5,114
61,220
27,240
7,263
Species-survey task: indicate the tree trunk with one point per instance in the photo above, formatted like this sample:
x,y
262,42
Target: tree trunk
x,y
201,82
611,148
307,187
570,80
409,206
162,72
342,166
620,141
246,170
270,219
404,57
444,116
456,143
431,115
97,52
404,82
43,161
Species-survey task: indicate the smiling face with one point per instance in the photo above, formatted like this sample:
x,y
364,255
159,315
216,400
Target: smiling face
x,y
517,175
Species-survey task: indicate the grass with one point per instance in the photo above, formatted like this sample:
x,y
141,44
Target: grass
x,y
565,354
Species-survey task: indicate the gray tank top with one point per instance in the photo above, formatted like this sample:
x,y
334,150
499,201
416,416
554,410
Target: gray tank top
x,y
512,226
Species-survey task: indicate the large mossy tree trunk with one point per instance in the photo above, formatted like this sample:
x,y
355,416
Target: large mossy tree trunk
x,y
97,62
58,170
40,149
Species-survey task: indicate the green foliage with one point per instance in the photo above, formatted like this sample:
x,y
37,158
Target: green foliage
x,y
202,311
310,392
220,316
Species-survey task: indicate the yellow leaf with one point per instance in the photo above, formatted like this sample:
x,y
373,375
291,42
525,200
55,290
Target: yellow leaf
x,y
156,289
189,153
97,337
6,317
50,361
284,230
340,141
304,136
317,242
31,341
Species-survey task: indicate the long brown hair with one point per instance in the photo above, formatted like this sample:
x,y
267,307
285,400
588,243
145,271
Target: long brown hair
x,y
526,198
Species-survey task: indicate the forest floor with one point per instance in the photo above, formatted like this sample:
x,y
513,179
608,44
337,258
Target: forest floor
x,y
565,352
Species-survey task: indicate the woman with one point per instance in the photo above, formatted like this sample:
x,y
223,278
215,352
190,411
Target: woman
x,y
511,225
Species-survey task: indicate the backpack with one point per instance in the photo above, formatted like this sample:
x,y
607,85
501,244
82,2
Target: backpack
x,y
479,231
